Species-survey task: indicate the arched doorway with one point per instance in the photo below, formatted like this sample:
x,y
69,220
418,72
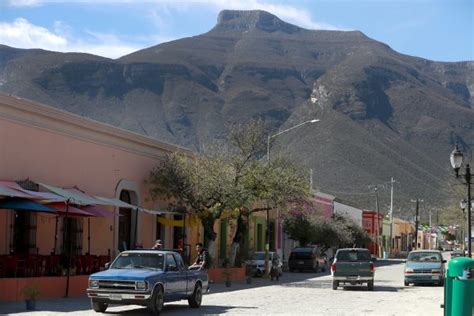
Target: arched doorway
x,y
127,223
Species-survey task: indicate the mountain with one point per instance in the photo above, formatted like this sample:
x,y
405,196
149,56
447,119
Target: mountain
x,y
382,113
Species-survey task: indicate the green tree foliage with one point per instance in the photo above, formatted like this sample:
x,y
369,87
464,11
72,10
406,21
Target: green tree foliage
x,y
301,229
231,176
327,232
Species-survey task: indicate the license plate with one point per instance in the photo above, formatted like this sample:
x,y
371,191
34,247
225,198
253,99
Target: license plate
x,y
300,262
352,278
434,277
115,297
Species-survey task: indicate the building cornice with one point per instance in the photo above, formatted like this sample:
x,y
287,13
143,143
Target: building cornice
x,y
29,113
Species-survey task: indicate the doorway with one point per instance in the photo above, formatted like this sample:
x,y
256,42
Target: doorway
x,y
127,223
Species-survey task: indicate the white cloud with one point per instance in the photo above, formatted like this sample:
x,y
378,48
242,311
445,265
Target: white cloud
x,y
288,13
24,3
22,34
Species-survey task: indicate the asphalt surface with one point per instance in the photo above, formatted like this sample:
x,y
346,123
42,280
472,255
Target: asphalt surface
x,y
295,293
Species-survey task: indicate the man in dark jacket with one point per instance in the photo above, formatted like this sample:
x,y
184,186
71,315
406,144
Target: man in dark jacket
x,y
202,260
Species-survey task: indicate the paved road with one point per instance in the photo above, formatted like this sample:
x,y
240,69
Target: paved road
x,y
295,293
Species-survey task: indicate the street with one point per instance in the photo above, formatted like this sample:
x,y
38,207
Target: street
x,y
295,293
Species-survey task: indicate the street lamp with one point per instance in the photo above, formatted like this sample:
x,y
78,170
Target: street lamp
x,y
284,131
456,162
267,221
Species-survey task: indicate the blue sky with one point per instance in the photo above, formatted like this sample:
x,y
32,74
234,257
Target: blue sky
x,y
441,30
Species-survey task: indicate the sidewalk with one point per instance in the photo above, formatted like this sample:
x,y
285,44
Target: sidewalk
x,y
67,305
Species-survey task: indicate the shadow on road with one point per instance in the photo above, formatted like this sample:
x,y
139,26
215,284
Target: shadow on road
x,y
377,288
388,262
288,278
58,305
181,310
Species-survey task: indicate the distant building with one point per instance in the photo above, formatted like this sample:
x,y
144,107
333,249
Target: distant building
x,y
373,226
347,211
324,204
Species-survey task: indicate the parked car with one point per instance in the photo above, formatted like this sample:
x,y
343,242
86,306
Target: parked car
x,y
424,266
256,265
306,258
353,266
457,253
146,277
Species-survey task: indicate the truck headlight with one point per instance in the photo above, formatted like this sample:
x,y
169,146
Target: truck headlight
x,y
141,285
408,271
436,271
94,284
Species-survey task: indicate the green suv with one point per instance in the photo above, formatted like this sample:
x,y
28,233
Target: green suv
x,y
353,266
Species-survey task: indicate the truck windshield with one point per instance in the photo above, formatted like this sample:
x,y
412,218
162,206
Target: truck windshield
x,y
353,255
139,261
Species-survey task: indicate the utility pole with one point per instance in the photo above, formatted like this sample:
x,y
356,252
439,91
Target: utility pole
x,y
392,181
377,230
417,219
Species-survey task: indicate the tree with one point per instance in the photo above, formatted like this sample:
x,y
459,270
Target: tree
x,y
308,227
197,183
301,229
229,176
267,185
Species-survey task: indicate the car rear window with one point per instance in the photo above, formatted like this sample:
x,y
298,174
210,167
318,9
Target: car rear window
x,y
424,257
353,255
302,253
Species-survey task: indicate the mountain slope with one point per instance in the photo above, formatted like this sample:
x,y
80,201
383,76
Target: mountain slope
x,y
382,113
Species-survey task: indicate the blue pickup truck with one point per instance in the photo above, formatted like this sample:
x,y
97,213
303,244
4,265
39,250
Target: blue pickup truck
x,y
148,278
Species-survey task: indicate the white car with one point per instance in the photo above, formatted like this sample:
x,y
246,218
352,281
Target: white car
x,y
256,265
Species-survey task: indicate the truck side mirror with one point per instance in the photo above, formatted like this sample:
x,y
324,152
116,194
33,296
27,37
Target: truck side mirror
x,y
172,268
107,265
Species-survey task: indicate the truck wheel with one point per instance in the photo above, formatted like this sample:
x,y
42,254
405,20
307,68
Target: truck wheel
x,y
335,284
370,285
196,298
157,300
99,307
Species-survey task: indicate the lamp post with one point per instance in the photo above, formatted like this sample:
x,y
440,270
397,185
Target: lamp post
x,y
267,217
463,204
456,162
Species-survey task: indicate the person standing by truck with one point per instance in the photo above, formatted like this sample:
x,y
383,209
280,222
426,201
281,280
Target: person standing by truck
x,y
203,260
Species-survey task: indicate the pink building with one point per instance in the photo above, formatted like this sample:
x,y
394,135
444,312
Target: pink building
x,y
41,144
324,204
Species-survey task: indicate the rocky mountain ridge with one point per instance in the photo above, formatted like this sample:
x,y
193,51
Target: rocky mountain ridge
x,y
382,113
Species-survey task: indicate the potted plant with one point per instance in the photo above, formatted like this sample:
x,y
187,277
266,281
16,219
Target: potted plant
x,y
31,294
227,273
